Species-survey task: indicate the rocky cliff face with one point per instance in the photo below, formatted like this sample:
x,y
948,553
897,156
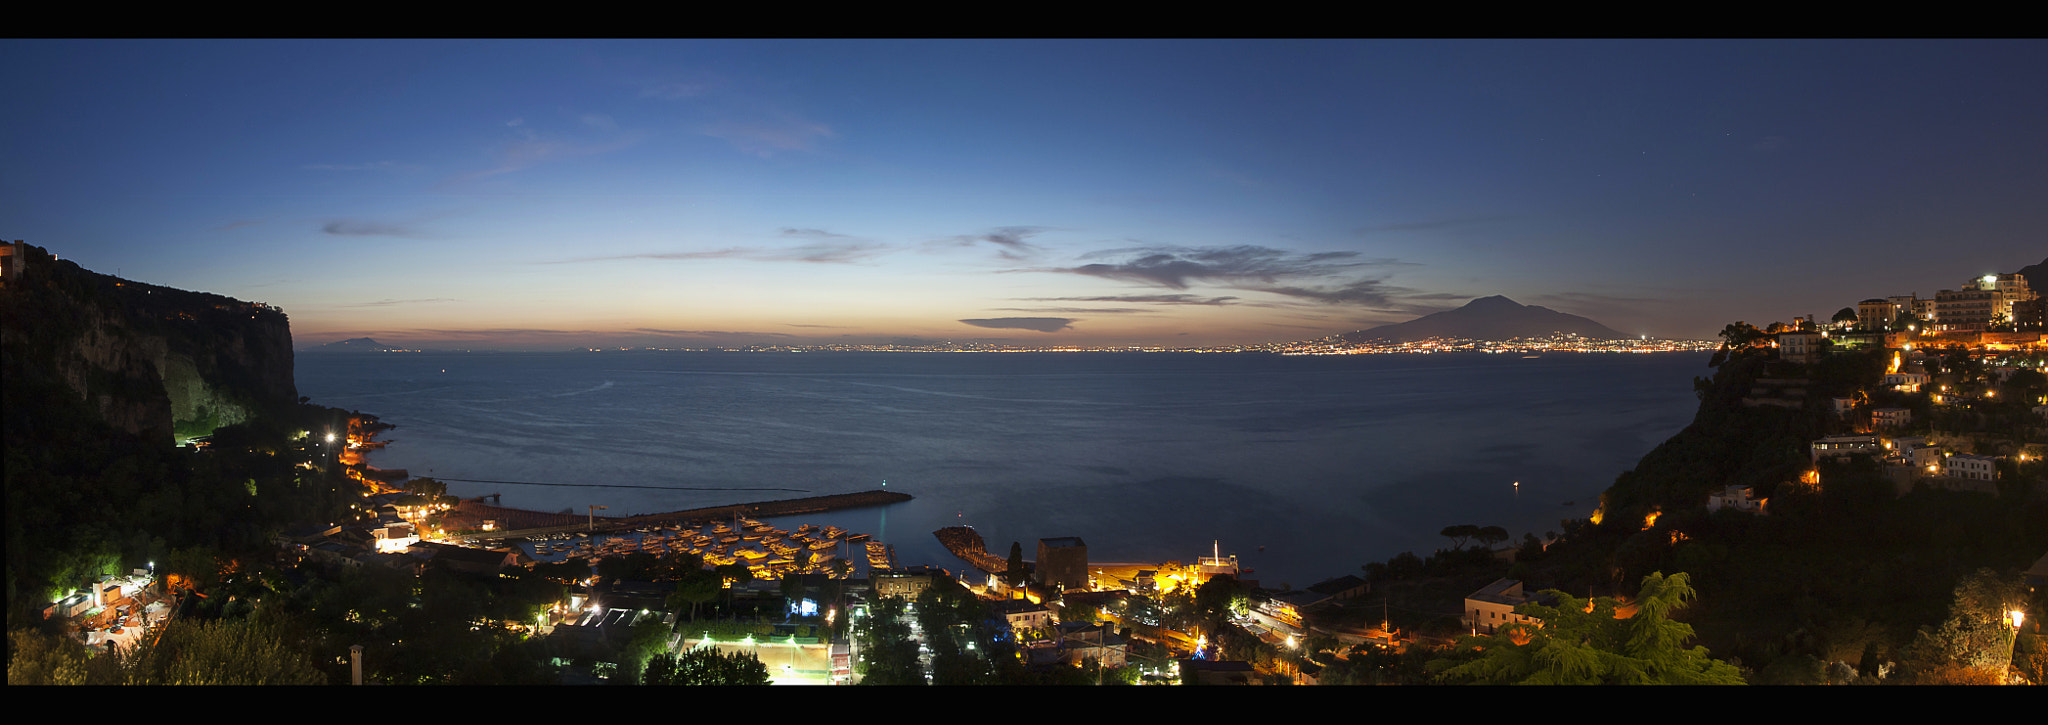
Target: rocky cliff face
x,y
147,360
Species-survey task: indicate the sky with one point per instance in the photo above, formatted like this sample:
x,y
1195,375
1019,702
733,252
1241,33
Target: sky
x,y
547,195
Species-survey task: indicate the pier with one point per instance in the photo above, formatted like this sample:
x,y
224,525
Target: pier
x,y
513,522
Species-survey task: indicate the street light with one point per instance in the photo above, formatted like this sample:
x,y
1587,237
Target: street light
x,y
2015,617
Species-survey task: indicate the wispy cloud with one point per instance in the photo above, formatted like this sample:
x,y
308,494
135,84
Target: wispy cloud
x,y
1177,267
368,228
1176,299
1041,324
372,166
527,147
766,137
822,247
388,302
1076,310
1010,242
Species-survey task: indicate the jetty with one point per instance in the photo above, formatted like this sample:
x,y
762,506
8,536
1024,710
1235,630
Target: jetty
x,y
967,544
511,522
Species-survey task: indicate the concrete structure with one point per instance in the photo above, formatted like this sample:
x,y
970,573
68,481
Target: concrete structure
x,y
907,582
1833,446
1905,382
1801,346
1062,562
1739,498
1890,418
1494,605
1022,614
1970,467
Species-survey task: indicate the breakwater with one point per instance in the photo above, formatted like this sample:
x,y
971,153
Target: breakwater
x,y
967,544
511,522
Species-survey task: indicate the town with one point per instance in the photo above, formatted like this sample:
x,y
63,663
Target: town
x,y
396,582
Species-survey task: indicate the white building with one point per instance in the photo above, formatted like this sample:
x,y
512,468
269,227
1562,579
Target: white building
x,y
1492,607
1740,498
1970,467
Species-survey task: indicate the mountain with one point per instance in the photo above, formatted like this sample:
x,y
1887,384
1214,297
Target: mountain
x,y
2037,276
1487,318
359,344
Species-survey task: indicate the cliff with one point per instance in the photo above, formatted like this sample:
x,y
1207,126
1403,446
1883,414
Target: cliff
x,y
147,360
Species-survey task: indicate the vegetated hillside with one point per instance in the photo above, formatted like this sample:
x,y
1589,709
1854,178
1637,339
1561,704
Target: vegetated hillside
x,y
1842,569
99,375
1488,318
147,359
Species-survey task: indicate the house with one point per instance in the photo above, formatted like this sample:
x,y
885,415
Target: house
x,y
1494,605
1093,641
1890,418
907,582
1801,346
1739,498
1022,614
1970,467
1848,445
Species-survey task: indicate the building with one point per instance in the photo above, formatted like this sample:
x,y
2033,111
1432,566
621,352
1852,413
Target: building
x,y
1739,498
1494,605
1890,418
1022,614
12,256
1833,446
1801,346
1062,562
1962,310
907,582
1970,467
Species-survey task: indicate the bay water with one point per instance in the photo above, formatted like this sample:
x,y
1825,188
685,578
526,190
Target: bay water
x,y
1304,467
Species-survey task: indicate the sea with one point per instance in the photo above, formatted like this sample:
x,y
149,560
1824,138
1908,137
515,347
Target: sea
x,y
1303,467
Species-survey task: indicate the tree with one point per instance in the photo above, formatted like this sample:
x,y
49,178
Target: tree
x,y
1460,534
1015,574
706,666
1580,642
696,588
1976,635
1846,314
1491,535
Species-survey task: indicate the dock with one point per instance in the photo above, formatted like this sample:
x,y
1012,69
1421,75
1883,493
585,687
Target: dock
x,y
471,513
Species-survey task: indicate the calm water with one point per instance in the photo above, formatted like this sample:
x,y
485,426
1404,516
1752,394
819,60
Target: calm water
x,y
1325,462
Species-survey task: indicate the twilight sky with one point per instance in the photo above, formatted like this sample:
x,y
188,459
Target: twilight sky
x,y
552,194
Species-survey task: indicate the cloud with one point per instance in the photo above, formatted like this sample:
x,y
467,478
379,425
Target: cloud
x,y
690,84
373,166
767,137
823,247
1155,299
1074,310
530,148
1009,241
366,228
599,121
1041,324
387,303
1176,267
